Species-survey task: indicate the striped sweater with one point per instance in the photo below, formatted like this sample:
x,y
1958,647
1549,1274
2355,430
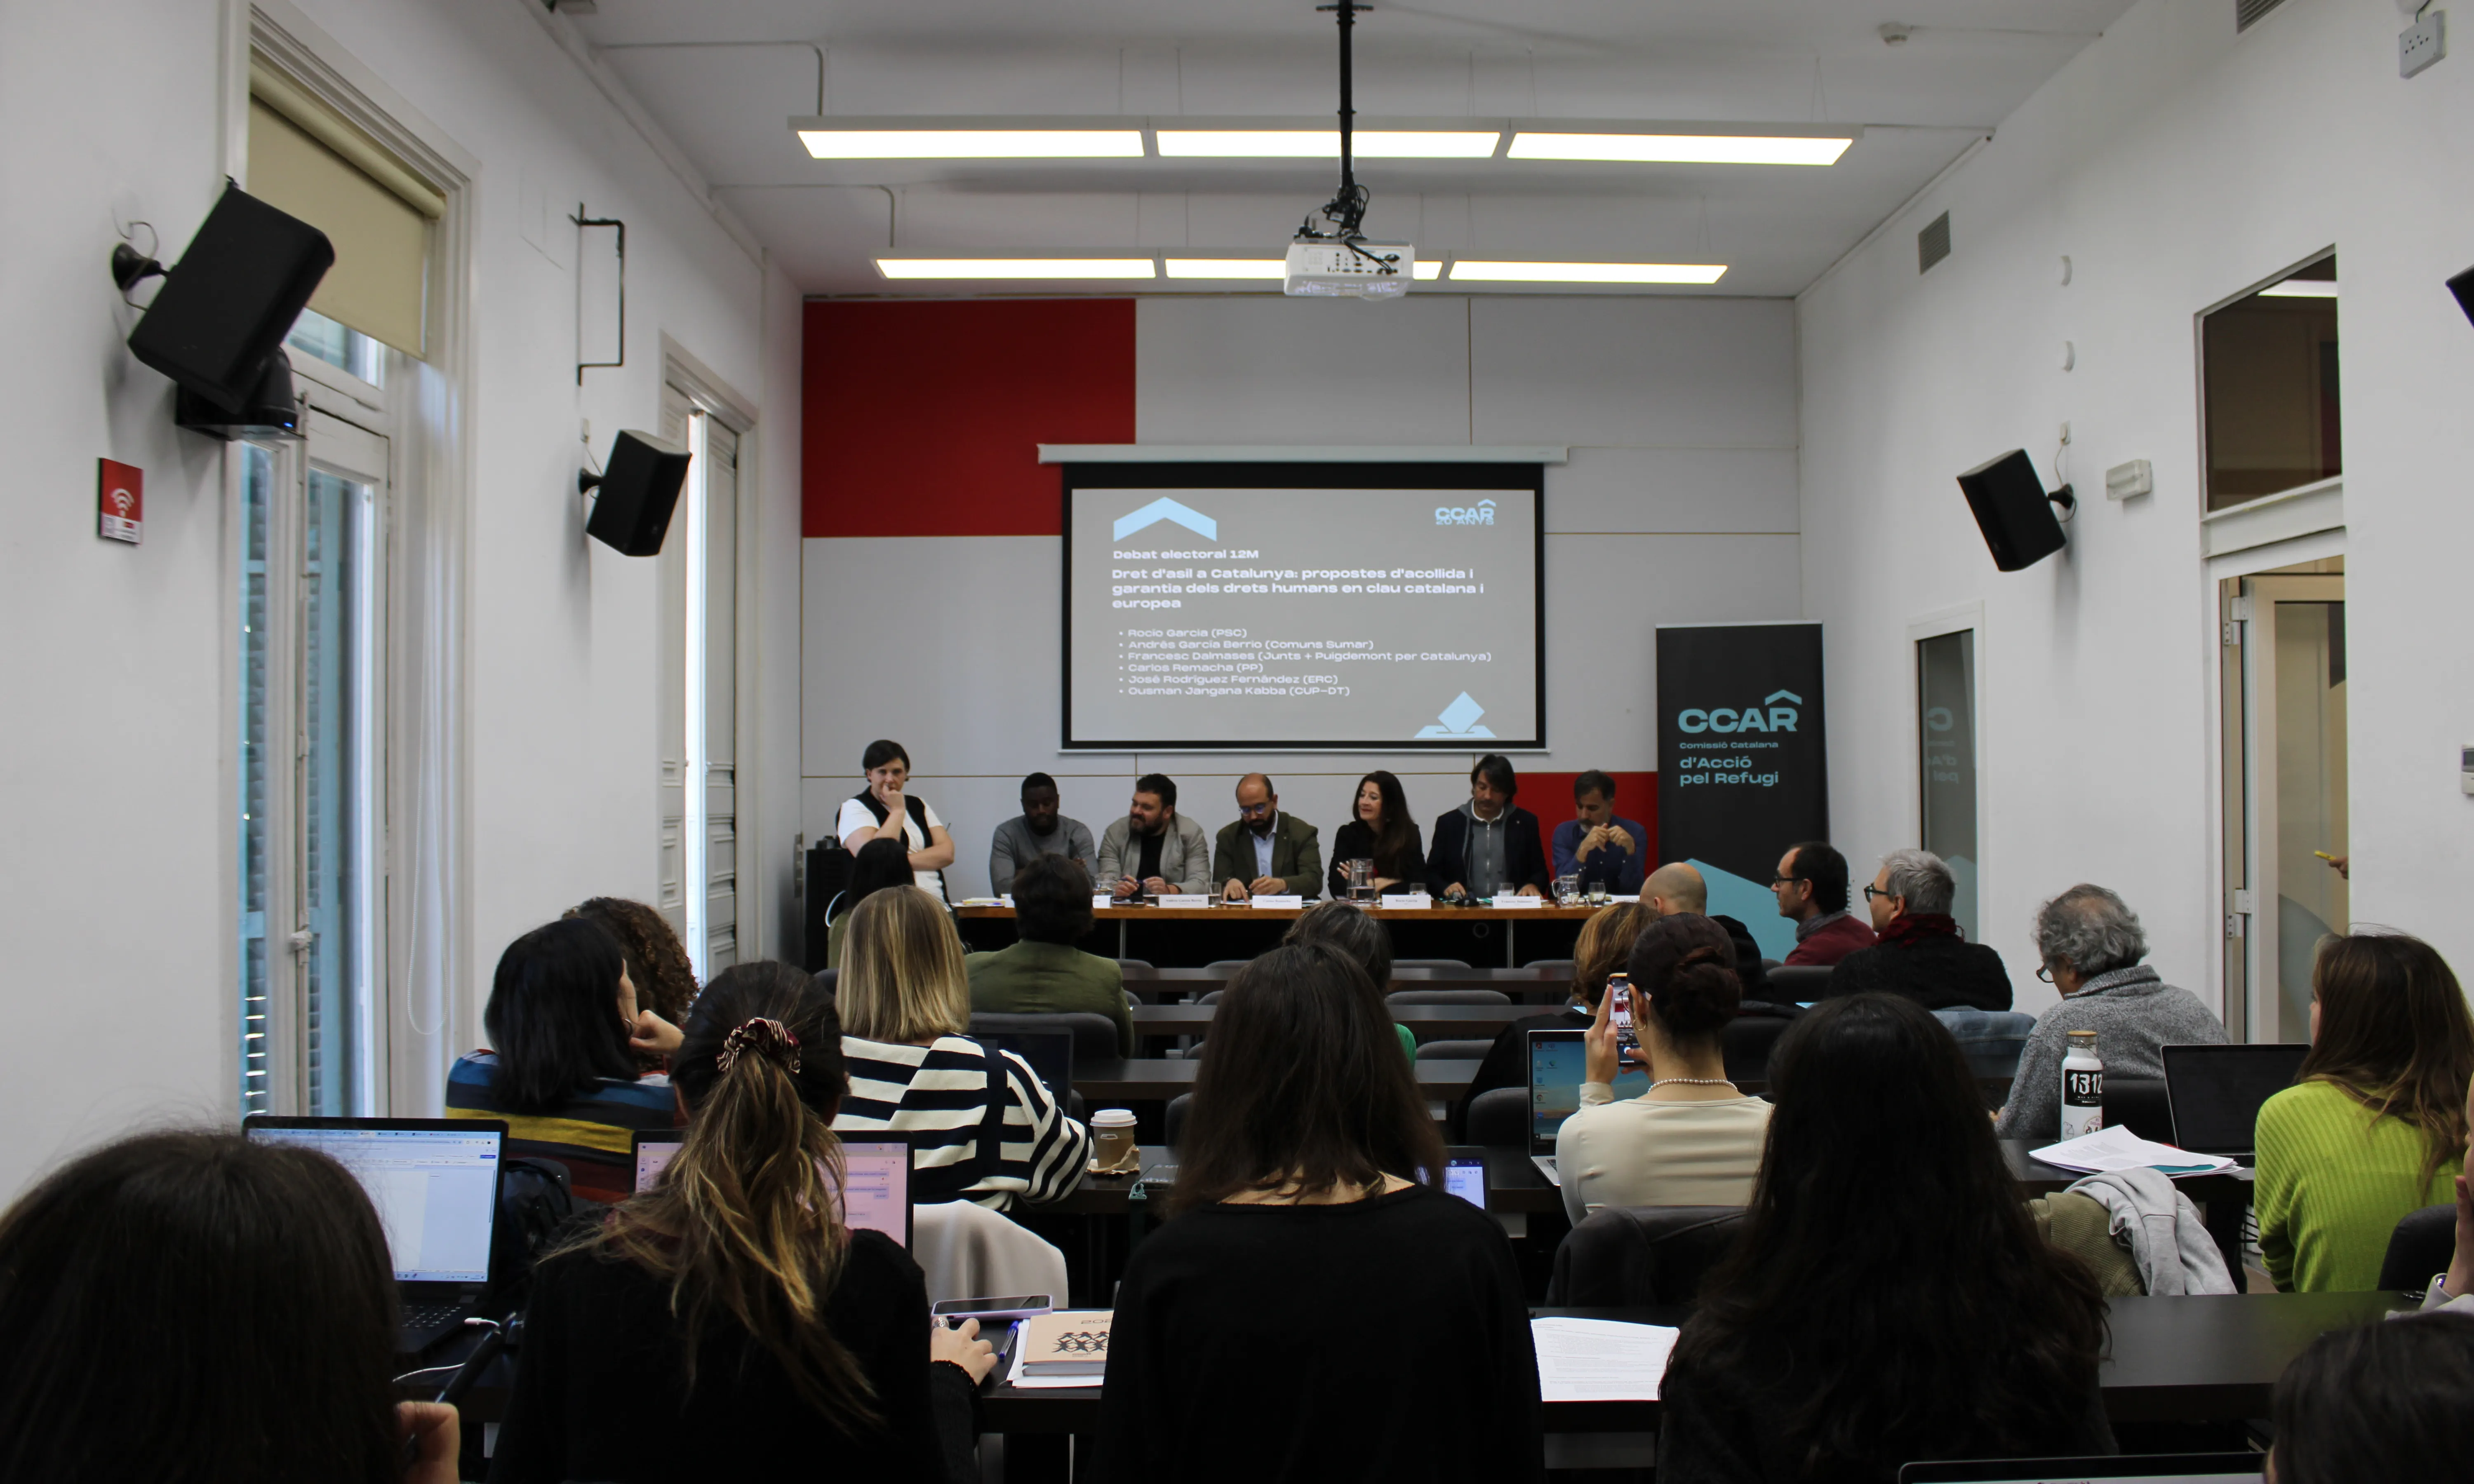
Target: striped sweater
x,y
593,1134
939,1095
2333,1183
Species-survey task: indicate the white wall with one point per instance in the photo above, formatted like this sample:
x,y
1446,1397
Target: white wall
x,y
117,892
2175,164
1679,505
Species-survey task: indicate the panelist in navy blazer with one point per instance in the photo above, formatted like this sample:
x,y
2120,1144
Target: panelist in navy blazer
x,y
1486,841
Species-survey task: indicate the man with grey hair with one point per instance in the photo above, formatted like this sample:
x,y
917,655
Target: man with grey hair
x,y
1921,953
2091,946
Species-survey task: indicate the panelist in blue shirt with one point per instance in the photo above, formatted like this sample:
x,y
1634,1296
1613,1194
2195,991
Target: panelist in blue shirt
x,y
1597,844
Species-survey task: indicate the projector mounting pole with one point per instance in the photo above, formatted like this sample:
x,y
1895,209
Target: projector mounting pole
x,y
1346,211
1348,9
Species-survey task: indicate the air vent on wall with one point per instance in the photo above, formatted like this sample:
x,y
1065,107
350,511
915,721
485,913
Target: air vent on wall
x,y
1933,244
2247,13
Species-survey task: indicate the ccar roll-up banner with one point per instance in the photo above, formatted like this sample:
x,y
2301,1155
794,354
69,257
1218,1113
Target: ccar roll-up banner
x,y
1743,762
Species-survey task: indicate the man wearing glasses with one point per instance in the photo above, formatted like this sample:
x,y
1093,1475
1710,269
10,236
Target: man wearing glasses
x,y
1265,853
1921,953
1811,890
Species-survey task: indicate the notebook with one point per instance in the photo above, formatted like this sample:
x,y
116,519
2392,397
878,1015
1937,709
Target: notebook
x,y
1557,1063
435,1184
2215,1094
2123,1469
877,1196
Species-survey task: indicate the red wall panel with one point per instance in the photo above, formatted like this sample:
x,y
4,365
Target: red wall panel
x,y
923,418
1549,796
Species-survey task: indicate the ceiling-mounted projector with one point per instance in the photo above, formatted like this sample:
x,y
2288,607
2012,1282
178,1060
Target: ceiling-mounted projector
x,y
1322,268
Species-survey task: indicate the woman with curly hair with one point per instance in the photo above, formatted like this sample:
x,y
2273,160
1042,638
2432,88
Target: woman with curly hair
x,y
657,962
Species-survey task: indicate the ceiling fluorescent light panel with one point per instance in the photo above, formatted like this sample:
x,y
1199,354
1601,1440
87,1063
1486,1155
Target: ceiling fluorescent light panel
x,y
918,268
1467,270
1324,144
1679,149
973,143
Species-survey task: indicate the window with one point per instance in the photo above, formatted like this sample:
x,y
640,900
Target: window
x,y
1946,761
2268,368
339,345
698,870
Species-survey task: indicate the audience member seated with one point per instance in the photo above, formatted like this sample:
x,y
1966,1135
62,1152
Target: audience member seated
x,y
1338,924
1038,830
1312,1311
1920,954
726,1324
1604,946
879,864
1881,1308
1598,845
1264,852
923,836
2376,1112
1489,841
2091,945
1043,972
1154,848
982,1126
191,1306
2377,1402
563,1019
1677,888
2453,1289
1379,829
1691,1139
1811,890
657,962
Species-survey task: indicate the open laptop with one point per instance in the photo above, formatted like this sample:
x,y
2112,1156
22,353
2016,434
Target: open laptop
x,y
877,1194
2123,1469
1558,1063
2215,1094
435,1184
1464,1173
1049,1053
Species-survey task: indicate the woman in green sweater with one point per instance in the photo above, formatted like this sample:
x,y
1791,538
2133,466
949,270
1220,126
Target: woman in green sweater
x,y
2375,1118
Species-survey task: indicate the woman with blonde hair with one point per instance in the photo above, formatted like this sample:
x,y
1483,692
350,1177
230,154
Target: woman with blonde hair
x,y
982,1126
755,1334
1605,941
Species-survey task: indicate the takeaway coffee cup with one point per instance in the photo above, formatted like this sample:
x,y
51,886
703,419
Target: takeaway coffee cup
x,y
1117,1153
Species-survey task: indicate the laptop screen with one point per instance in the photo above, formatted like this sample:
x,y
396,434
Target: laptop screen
x,y
878,1196
1464,1174
436,1190
2216,1092
1557,1063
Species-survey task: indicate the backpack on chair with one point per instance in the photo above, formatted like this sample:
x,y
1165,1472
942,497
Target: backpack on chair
x,y
536,1209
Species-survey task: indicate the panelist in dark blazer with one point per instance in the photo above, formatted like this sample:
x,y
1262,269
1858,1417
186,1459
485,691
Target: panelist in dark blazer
x,y
1921,953
1486,841
1379,829
1266,852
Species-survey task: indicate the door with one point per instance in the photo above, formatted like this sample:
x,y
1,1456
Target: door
x,y
698,834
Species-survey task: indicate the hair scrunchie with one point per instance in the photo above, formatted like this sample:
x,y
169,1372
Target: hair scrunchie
x,y
769,1038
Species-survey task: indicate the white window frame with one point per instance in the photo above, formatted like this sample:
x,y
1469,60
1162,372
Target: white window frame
x,y
1964,618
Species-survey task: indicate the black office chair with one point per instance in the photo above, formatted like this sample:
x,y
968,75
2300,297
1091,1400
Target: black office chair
x,y
1454,1050
1136,969
1630,1257
1498,1118
1428,963
825,979
1796,984
1224,967
1747,1040
2137,1104
1175,1122
1447,997
1553,966
2421,1247
1094,1034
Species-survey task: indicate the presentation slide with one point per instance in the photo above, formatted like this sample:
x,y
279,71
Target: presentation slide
x,y
1324,605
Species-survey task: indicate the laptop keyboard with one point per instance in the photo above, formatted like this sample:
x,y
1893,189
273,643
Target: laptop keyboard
x,y
433,1316
1546,1163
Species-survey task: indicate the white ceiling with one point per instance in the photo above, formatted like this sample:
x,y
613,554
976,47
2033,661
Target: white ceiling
x,y
1967,65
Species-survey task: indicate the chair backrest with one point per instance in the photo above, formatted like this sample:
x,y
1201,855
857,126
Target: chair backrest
x,y
1175,1122
825,979
1747,1040
1210,998
1136,969
1428,963
1447,997
1768,965
1453,1050
1498,1117
1549,966
2137,1104
1796,984
2419,1248
1224,967
1094,1034
1991,1038
1629,1257
968,1251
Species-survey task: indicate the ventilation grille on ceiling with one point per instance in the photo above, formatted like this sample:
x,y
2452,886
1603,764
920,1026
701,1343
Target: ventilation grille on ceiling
x,y
1933,244
2247,13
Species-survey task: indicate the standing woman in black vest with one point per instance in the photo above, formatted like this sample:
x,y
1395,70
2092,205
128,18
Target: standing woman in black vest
x,y
864,814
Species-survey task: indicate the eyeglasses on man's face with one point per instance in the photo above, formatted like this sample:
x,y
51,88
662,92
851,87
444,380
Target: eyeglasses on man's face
x,y
1777,881
1872,892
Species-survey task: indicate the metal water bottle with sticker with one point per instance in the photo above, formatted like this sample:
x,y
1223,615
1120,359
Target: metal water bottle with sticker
x,y
2082,1087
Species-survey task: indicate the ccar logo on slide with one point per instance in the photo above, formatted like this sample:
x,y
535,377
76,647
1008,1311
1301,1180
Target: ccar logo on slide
x,y
1457,720
1166,509
1482,513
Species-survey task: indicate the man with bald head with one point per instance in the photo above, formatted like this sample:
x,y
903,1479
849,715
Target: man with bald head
x,y
1266,852
1675,889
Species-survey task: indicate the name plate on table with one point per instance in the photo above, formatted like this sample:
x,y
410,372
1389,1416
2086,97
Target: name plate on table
x,y
1516,903
1415,901
1291,903
1101,899
1182,900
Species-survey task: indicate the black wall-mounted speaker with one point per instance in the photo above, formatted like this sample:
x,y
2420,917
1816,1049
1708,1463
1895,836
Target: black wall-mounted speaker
x,y
2013,510
2462,286
229,301
639,490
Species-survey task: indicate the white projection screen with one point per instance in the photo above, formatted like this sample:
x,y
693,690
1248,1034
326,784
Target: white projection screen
x,y
1304,605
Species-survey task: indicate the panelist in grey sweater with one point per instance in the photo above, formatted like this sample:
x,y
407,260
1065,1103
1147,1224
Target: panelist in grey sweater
x,y
2092,944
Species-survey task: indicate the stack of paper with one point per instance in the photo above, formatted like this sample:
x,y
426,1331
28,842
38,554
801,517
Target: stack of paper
x,y
2120,1149
1600,1359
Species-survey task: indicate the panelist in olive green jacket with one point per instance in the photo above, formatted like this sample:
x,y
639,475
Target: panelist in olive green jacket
x,y
1265,853
1043,972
